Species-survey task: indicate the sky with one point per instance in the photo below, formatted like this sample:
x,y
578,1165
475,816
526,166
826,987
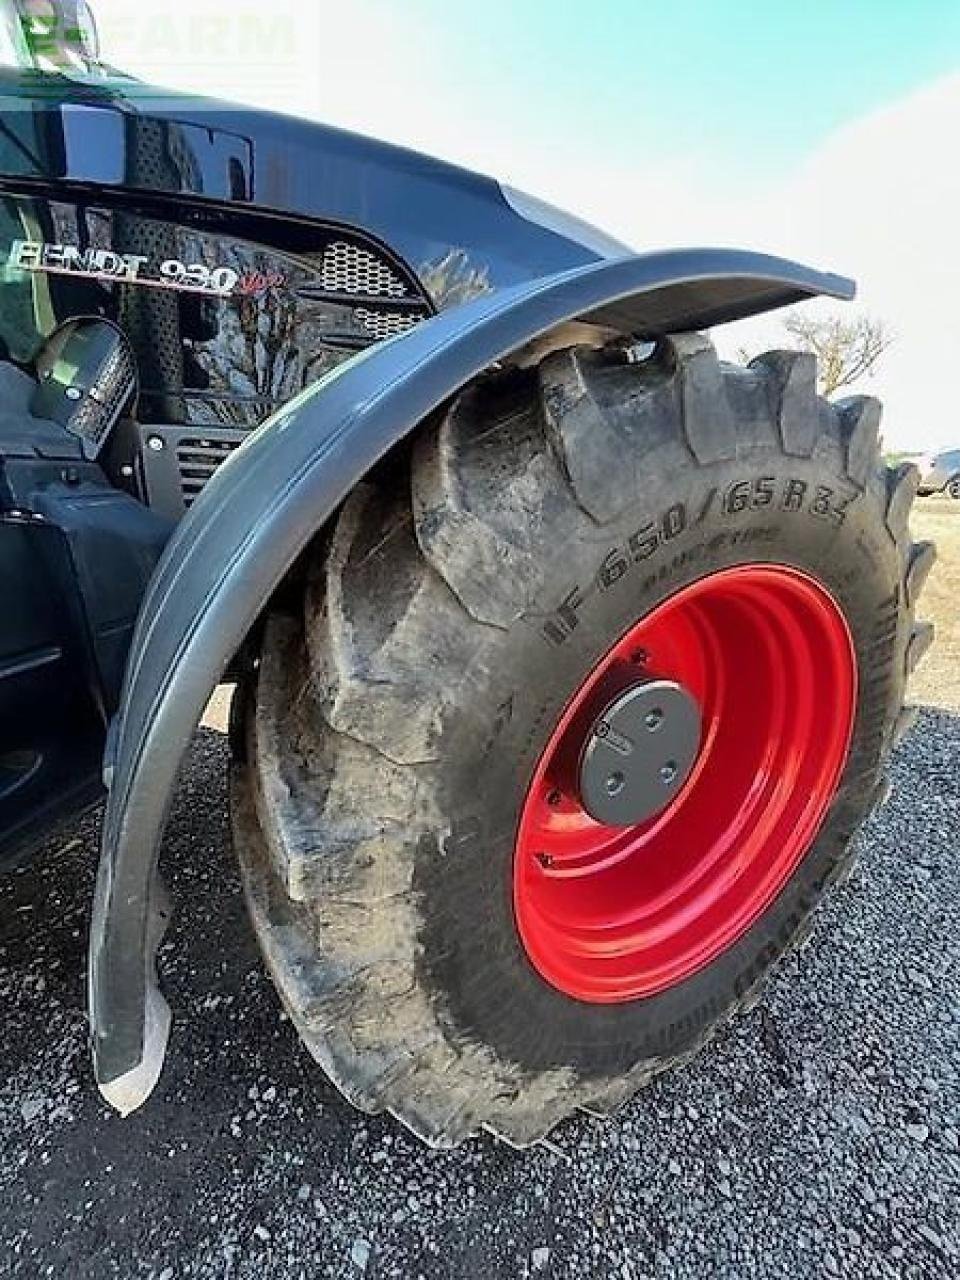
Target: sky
x,y
825,131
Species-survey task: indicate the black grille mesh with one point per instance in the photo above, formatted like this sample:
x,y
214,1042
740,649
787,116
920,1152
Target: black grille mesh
x,y
197,460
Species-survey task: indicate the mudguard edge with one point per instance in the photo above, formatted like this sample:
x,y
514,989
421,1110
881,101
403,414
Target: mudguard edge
x,y
255,517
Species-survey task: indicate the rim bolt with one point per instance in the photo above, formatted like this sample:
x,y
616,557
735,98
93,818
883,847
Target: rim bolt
x,y
639,656
553,798
668,773
653,719
544,859
615,784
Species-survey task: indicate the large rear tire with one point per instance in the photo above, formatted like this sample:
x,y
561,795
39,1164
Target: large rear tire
x,y
404,727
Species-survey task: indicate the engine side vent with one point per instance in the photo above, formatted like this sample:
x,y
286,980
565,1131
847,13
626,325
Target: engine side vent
x,y
347,268
386,324
197,460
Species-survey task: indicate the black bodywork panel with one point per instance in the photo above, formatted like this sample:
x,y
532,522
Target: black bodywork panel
x,y
76,555
51,723
210,368
456,230
335,241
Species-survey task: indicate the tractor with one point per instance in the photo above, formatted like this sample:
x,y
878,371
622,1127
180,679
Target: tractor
x,y
567,659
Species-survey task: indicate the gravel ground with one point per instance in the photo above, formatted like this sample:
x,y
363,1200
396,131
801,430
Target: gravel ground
x,y
818,1136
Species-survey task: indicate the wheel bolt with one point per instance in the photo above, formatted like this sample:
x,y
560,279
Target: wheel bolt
x,y
553,798
615,784
653,719
668,773
544,859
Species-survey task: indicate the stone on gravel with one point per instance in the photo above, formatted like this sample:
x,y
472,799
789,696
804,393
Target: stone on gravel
x,y
360,1254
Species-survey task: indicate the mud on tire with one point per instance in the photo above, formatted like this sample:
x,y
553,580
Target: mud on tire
x,y
399,714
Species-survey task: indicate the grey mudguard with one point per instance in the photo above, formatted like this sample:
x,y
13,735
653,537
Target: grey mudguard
x,y
256,516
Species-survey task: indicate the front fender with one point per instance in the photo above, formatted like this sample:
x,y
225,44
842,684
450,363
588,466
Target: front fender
x,y
255,517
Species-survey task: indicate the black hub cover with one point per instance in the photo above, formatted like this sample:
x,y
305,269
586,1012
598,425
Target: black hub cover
x,y
639,753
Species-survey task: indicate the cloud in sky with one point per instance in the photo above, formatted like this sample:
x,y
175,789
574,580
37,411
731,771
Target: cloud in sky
x,y
878,199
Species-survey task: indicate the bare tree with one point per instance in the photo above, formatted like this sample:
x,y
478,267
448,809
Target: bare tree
x,y
846,349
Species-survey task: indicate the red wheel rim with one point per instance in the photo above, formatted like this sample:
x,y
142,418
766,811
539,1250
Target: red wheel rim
x,y
609,914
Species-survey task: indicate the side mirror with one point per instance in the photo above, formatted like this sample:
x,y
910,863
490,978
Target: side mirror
x,y
87,378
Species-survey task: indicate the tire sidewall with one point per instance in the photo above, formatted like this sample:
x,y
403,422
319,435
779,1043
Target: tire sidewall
x,y
764,508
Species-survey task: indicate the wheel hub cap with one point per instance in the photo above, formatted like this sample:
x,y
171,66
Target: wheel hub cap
x,y
639,753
